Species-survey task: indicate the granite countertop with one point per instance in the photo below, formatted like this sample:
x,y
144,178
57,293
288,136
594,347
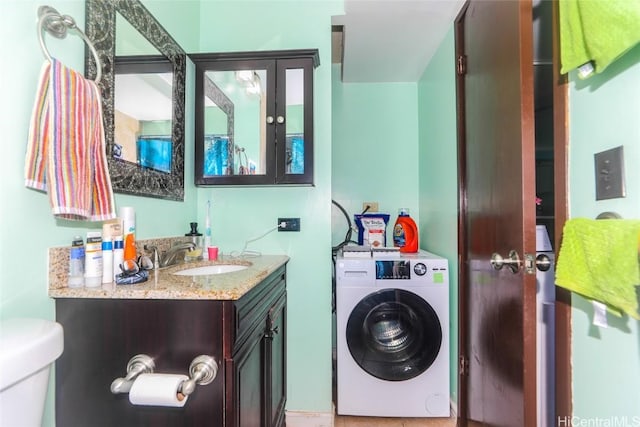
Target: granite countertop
x,y
162,284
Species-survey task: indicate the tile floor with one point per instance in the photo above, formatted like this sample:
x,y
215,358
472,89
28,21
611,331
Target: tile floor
x,y
348,421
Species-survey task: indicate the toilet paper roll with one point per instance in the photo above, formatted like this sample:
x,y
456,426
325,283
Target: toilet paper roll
x,y
158,390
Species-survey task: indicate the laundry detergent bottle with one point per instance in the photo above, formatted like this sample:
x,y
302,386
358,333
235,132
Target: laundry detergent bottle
x,y
405,232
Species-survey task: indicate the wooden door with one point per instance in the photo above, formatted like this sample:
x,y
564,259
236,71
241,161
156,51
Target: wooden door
x,y
498,212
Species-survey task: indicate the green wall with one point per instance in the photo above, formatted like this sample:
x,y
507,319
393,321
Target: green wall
x,y
240,214
604,113
438,177
375,141
27,228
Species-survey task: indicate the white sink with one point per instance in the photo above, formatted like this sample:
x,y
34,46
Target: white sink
x,y
208,270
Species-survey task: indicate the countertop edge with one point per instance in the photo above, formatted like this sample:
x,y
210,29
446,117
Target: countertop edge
x,y
167,286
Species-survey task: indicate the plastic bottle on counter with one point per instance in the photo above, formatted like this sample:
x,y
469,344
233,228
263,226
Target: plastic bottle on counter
x,y
405,232
118,255
107,260
76,263
198,241
93,259
128,216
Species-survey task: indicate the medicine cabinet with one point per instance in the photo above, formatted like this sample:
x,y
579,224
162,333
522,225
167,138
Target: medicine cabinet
x,y
254,117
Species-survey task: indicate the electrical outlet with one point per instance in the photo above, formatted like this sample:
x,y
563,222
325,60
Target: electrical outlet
x,y
291,224
373,206
609,170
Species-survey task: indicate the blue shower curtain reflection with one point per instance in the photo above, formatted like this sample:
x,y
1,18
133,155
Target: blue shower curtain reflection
x,y
154,152
295,154
216,155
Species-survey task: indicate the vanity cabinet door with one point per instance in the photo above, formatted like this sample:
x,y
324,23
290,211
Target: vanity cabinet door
x,y
248,372
256,371
276,355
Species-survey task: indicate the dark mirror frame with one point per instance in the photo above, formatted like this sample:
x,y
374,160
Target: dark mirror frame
x,y
100,26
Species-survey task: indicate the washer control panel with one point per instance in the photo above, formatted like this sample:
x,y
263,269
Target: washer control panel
x,y
418,268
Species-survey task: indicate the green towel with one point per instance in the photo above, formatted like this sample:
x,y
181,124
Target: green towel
x,y
598,259
596,32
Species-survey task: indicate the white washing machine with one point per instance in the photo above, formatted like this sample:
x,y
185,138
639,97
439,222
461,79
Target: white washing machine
x,y
392,319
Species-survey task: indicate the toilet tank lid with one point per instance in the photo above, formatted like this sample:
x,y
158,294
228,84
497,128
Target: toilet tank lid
x,y
26,346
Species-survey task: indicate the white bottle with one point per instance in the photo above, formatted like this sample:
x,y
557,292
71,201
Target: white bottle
x,y
93,260
118,255
107,260
128,216
76,263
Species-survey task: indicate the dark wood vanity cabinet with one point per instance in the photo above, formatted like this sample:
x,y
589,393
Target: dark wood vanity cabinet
x,y
247,337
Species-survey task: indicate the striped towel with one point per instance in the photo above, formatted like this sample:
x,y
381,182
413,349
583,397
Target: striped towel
x,y
66,147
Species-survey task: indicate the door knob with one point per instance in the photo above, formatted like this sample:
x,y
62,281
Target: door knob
x,y
543,262
512,261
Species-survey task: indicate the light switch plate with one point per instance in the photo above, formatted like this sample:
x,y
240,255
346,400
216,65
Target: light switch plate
x,y
609,171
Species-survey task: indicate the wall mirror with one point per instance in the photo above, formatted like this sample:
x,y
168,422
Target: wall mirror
x,y
143,96
254,117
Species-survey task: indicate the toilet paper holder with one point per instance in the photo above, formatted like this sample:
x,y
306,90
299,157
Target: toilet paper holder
x,y
202,371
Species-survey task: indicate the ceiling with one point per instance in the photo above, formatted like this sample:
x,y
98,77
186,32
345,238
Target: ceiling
x,y
390,40
380,41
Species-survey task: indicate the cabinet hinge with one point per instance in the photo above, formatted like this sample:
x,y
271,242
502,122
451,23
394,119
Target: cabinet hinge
x,y
464,366
461,65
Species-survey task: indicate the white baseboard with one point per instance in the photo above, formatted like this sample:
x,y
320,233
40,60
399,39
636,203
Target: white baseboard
x,y
309,419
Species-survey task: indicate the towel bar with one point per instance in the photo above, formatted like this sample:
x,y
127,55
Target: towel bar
x,y
50,20
609,215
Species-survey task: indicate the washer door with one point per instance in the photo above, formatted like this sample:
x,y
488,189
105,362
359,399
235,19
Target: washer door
x,y
394,334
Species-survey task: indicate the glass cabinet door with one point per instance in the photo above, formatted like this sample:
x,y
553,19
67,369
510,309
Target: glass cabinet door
x,y
295,118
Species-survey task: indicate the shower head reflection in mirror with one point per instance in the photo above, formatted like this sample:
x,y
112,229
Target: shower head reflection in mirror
x,y
157,167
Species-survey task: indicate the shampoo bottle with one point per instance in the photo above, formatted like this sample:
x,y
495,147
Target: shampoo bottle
x,y
405,232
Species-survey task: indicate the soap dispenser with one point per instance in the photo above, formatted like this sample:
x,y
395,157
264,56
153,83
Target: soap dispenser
x,y
198,240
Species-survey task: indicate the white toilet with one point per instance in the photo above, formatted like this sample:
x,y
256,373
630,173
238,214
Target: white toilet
x,y
28,347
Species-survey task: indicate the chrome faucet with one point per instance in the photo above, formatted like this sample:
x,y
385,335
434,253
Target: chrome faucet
x,y
172,256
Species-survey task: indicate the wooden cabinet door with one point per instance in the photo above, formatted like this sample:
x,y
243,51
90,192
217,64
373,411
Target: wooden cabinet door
x,y
255,367
248,385
276,352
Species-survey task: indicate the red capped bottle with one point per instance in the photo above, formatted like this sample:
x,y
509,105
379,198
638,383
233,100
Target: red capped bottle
x,y
405,232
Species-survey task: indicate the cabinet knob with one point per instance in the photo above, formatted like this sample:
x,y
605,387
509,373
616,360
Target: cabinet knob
x,y
270,120
280,120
